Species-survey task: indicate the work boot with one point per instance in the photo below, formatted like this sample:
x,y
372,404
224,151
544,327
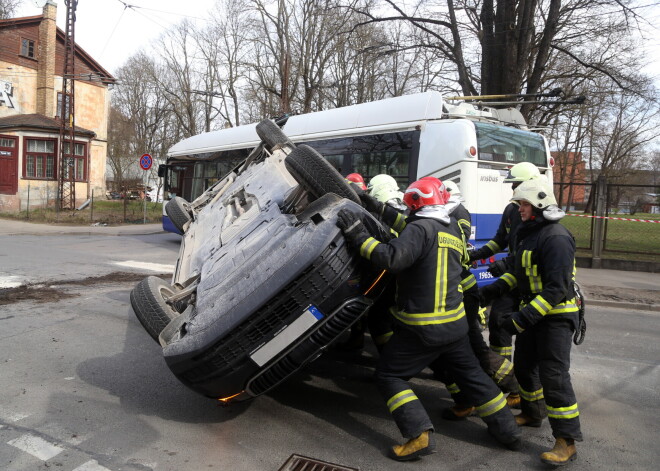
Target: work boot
x,y
457,412
563,452
414,448
524,420
513,400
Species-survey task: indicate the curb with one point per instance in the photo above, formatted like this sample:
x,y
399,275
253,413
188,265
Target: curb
x,y
623,305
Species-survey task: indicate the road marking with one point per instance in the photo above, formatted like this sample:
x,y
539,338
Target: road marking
x,y
10,281
156,267
36,446
91,465
13,416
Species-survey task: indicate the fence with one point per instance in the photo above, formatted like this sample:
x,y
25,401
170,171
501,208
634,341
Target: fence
x,y
611,219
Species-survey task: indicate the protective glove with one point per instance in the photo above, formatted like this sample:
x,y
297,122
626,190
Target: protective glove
x,y
352,227
478,254
506,324
488,293
370,203
498,268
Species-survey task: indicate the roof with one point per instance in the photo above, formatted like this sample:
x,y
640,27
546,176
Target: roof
x,y
27,20
37,122
389,115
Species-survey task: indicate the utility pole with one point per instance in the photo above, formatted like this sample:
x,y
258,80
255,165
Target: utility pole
x,y
67,181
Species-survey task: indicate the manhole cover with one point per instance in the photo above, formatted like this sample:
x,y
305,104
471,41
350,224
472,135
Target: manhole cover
x,y
303,463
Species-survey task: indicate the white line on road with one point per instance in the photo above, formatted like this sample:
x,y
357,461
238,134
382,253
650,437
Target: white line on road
x,y
36,446
10,281
156,267
91,465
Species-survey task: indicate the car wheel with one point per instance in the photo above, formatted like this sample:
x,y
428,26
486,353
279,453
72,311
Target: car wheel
x,y
271,134
148,301
316,175
177,211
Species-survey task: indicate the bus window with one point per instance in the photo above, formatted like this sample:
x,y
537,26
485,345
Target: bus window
x,y
337,161
392,163
509,145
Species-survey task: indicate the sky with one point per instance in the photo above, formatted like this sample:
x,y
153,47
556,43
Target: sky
x,y
111,32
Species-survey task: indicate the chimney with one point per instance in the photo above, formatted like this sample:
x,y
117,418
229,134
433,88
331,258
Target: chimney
x,y
46,58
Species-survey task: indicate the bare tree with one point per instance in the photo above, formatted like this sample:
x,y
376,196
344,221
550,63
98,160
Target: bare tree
x,y
8,8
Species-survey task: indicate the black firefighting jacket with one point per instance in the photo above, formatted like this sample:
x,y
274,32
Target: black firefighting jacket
x,y
505,232
426,257
544,273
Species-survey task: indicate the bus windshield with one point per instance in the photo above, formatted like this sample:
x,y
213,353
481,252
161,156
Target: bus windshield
x,y
510,145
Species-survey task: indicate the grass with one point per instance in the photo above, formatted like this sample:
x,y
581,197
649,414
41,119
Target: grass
x,y
622,238
103,212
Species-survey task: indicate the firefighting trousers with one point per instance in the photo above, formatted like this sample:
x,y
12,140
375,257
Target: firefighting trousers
x,y
405,356
542,363
498,367
500,340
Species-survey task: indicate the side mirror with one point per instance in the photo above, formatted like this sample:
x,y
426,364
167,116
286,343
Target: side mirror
x,y
162,170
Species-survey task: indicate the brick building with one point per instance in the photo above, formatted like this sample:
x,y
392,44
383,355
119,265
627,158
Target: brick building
x,y
570,179
31,70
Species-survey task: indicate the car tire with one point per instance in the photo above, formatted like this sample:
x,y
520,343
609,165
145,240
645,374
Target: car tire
x,y
177,211
316,175
150,307
271,134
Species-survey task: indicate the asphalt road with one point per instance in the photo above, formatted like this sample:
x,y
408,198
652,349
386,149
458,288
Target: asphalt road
x,y
85,388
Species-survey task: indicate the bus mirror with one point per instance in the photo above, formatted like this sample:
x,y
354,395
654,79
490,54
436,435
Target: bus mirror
x,y
162,170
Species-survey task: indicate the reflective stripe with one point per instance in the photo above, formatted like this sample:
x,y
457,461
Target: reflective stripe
x,y
517,326
532,396
453,388
429,318
569,412
541,305
440,301
400,399
382,339
367,247
494,246
510,280
399,223
504,369
491,406
468,282
561,308
465,223
504,351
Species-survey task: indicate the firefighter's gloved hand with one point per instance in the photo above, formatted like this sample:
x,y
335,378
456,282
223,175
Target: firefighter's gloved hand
x,y
478,254
497,268
357,189
352,227
506,324
488,293
370,203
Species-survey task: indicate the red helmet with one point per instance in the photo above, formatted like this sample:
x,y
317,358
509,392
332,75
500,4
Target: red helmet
x,y
425,192
356,178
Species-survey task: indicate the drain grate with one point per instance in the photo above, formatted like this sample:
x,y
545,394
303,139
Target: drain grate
x,y
303,463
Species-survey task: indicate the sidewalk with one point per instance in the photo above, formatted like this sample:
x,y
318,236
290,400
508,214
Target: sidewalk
x,y
14,227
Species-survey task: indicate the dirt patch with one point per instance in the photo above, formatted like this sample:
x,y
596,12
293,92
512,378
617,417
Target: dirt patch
x,y
608,293
52,291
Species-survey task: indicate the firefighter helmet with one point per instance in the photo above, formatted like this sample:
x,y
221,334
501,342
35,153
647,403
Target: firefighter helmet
x,y
537,192
425,192
452,188
521,172
384,188
357,179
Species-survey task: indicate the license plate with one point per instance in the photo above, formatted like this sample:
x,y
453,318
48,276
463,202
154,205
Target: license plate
x,y
286,336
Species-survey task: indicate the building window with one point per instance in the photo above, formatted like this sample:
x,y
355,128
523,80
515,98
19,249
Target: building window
x,y
27,48
40,159
67,112
7,142
77,161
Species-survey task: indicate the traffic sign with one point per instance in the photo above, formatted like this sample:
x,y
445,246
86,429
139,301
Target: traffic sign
x,y
146,161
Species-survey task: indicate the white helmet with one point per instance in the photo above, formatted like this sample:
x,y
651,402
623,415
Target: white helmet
x,y
537,192
384,188
521,172
452,188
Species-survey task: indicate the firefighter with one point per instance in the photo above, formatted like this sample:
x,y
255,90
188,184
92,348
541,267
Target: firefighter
x,y
357,179
497,367
429,320
500,341
544,273
385,189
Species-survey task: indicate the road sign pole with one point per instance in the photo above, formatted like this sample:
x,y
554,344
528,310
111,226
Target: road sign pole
x,y
145,164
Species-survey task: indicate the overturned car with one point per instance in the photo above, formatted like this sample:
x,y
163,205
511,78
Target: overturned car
x,y
264,281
